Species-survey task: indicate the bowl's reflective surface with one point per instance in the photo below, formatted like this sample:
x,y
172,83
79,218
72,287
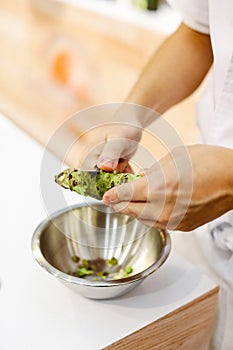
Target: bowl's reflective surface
x,y
98,234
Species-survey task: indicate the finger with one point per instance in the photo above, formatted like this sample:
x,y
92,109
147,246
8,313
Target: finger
x,y
110,155
115,149
153,223
135,191
141,211
134,209
107,164
123,166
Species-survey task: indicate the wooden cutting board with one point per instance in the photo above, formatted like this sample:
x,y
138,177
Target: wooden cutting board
x,y
57,59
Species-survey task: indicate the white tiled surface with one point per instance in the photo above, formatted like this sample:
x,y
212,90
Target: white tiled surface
x,y
36,311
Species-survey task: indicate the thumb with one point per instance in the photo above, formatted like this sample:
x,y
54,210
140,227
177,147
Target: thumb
x,y
110,155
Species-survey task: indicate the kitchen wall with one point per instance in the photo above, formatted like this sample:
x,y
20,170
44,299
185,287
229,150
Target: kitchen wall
x,y
60,57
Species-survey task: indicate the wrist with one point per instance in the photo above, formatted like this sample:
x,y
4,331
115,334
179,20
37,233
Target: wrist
x,y
138,114
224,161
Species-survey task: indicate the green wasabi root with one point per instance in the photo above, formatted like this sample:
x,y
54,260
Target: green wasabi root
x,y
92,183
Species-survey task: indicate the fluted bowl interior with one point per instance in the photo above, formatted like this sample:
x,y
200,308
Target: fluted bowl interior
x,y
99,253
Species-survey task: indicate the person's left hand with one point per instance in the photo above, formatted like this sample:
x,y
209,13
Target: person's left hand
x,y
184,190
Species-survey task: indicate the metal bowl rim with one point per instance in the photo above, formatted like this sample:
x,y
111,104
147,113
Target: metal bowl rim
x,y
39,257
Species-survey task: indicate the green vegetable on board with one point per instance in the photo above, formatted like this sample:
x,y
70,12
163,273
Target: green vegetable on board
x,y
92,183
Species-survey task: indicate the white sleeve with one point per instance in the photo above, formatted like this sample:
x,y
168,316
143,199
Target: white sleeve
x,y
194,13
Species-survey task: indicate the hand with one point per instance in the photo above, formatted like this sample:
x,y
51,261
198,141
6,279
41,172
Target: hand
x,y
121,144
122,136
187,188
110,146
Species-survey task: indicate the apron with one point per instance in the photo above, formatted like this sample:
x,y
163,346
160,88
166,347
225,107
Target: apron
x,y
214,241
216,238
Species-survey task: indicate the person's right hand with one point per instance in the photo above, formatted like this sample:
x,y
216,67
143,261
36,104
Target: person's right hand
x,y
123,136
121,144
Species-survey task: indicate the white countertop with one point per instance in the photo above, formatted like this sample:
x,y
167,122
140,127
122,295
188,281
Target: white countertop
x,y
164,20
37,311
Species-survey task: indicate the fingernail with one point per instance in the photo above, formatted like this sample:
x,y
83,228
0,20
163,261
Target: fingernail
x,y
110,196
108,164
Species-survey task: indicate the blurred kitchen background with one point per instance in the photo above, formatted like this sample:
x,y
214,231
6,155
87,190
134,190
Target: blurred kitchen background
x,y
58,57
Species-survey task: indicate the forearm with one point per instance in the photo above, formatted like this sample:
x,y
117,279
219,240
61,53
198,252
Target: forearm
x,y
174,71
218,171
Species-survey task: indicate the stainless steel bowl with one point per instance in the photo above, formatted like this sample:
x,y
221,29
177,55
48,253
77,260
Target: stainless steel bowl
x,y
95,234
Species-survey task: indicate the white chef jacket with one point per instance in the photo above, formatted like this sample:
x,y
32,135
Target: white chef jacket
x,y
215,122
